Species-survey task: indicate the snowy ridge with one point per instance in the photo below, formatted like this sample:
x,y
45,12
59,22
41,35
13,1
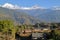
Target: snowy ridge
x,y
11,6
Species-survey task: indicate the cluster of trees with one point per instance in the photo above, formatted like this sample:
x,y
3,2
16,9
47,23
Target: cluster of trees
x,y
7,30
53,35
23,27
55,31
44,25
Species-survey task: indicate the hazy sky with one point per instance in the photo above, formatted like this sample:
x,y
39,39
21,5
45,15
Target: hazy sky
x,y
28,3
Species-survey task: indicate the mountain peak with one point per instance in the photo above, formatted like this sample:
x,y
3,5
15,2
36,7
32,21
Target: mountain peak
x,y
37,7
11,6
33,7
8,5
56,7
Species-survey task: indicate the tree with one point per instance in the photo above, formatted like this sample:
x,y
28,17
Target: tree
x,y
7,28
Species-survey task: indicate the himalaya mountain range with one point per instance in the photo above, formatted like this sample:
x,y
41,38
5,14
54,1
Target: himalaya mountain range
x,y
30,15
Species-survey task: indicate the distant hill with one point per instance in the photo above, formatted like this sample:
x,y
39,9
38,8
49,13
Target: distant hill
x,y
30,15
17,16
45,15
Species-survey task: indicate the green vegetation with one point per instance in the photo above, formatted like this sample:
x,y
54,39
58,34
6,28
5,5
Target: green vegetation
x,y
7,30
55,35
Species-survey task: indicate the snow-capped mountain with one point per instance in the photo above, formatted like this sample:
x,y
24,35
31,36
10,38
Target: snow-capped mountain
x,y
56,8
7,5
11,6
43,14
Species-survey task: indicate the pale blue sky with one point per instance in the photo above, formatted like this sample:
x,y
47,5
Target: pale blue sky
x,y
28,3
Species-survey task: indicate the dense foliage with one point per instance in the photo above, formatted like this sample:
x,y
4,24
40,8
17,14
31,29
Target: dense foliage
x,y
7,29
